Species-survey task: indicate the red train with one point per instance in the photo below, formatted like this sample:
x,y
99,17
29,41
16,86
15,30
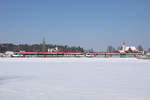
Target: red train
x,y
75,54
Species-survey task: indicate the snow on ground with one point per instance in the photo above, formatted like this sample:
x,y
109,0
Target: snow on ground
x,y
74,79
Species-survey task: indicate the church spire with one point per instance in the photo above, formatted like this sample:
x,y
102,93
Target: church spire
x,y
43,45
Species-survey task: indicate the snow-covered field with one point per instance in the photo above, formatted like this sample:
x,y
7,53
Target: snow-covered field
x,y
74,79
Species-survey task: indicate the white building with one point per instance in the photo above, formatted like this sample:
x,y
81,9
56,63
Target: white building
x,y
53,49
8,53
133,48
127,48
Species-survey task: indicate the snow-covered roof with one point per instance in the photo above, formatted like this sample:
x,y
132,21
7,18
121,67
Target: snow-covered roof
x,y
130,47
9,52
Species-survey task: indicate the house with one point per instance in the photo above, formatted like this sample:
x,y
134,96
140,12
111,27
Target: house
x,y
53,49
8,53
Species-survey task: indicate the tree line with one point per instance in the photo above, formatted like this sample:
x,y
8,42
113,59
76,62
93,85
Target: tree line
x,y
61,48
38,47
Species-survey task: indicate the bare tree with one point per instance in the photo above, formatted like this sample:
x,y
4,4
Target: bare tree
x,y
119,48
91,50
148,49
140,48
110,49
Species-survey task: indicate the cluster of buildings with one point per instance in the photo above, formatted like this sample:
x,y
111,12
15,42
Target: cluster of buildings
x,y
128,48
54,52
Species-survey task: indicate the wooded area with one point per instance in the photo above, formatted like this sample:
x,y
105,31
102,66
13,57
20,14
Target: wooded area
x,y
38,47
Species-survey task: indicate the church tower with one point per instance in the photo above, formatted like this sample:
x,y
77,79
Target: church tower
x,y
123,47
43,45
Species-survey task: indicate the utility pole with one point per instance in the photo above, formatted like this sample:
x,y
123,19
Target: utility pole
x,y
43,45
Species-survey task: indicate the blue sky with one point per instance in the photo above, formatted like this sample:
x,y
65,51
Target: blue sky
x,y
86,23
